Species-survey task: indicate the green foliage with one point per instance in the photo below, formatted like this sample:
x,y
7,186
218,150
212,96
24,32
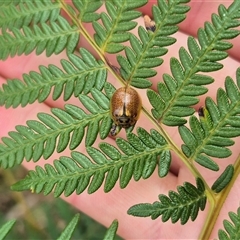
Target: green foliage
x,y
87,9
232,229
68,231
138,159
40,138
51,38
224,179
145,51
79,75
211,134
179,92
27,13
38,25
11,2
115,24
180,205
6,228
111,232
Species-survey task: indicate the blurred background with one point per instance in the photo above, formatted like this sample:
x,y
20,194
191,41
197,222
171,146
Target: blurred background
x,y
40,217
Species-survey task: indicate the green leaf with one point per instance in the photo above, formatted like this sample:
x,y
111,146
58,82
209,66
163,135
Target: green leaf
x,y
157,103
53,38
188,137
80,172
207,162
42,137
110,151
68,231
25,13
92,133
116,23
6,228
145,51
141,210
87,9
79,75
231,228
210,136
224,179
177,205
112,230
179,88
164,163
215,151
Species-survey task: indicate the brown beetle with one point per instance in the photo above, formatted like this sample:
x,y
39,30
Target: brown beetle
x,y
149,23
125,108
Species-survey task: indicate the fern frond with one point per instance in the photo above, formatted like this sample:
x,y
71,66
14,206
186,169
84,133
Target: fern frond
x,y
68,231
80,172
28,12
180,205
179,92
115,23
53,38
40,138
87,9
232,228
79,75
211,135
145,51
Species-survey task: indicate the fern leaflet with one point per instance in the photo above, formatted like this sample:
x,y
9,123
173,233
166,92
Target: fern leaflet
x,y
9,2
80,75
40,138
232,229
87,9
182,205
116,22
179,92
80,172
27,13
144,53
224,179
210,136
53,38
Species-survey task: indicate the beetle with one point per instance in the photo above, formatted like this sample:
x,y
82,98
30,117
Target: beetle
x,y
125,107
149,23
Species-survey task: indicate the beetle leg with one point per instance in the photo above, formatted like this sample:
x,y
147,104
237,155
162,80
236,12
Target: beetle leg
x,y
115,130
